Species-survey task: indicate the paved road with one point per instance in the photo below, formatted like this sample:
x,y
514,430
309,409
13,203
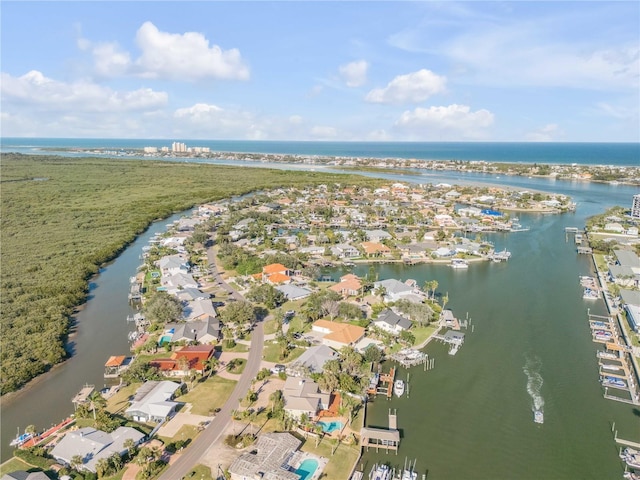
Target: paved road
x,y
192,454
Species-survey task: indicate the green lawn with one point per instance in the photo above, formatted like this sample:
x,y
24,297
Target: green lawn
x,y
340,463
422,333
13,465
239,348
238,367
270,326
120,401
209,395
199,472
271,353
186,432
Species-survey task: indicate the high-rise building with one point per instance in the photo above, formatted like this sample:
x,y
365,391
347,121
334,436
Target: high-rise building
x,y
635,207
178,147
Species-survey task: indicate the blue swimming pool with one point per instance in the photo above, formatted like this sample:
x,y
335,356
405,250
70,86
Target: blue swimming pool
x,y
307,468
330,427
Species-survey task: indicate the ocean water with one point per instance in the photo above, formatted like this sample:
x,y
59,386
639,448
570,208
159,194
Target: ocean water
x,y
619,154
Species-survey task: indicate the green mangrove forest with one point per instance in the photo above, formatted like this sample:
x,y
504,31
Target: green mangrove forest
x,y
61,218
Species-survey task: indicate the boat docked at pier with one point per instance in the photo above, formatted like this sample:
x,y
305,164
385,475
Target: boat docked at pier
x,y
590,294
20,439
398,388
380,472
609,381
631,457
408,472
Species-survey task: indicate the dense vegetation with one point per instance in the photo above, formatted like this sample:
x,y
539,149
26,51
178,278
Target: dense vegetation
x,y
63,217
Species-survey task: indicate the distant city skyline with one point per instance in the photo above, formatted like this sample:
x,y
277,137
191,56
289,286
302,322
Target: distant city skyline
x,y
341,71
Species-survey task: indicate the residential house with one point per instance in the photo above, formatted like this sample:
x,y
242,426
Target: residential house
x,y
377,236
206,330
190,294
276,273
185,360
24,475
624,276
173,283
268,459
173,264
302,396
344,250
391,322
350,285
312,360
395,289
293,292
91,445
153,401
199,310
373,249
338,335
631,301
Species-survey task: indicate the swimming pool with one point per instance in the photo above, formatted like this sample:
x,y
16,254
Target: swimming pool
x,y
330,427
307,468
165,339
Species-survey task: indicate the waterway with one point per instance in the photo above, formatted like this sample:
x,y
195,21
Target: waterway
x,y
471,416
100,330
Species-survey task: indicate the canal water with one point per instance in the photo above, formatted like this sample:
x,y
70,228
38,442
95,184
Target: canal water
x,y
469,417
472,415
100,331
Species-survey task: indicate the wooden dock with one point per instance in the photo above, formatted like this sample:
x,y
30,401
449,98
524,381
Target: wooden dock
x,y
388,379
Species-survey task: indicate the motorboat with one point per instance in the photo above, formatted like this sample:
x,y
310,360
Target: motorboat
x,y
538,416
590,294
380,472
613,382
20,439
459,263
398,388
631,457
612,368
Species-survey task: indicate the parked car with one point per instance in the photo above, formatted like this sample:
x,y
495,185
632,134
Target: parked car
x,y
278,368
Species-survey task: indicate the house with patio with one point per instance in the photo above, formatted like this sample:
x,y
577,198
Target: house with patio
x,y
374,249
312,360
153,401
206,330
276,273
185,360
394,289
303,396
173,264
268,459
91,445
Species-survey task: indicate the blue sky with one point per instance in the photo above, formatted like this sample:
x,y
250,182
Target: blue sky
x,y
391,71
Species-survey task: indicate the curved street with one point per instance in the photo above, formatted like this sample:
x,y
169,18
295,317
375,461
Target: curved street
x,y
192,454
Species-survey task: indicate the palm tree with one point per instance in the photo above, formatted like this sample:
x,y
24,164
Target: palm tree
x,y
76,462
211,364
103,466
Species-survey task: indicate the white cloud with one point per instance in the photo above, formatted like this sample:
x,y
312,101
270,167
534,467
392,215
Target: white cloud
x,y
456,120
295,119
547,133
354,74
411,88
187,56
35,91
378,136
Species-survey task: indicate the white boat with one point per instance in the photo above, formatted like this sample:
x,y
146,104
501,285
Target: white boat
x,y
612,368
459,263
590,294
398,388
408,472
538,416
613,382
20,439
380,472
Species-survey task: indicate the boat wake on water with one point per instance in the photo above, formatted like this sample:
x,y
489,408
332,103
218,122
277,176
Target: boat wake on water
x,y
532,368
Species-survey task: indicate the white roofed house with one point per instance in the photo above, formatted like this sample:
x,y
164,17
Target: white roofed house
x,y
268,459
312,360
91,445
206,330
199,310
303,396
173,264
395,290
178,281
153,401
344,250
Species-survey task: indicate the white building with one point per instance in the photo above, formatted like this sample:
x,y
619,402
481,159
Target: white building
x,y
635,207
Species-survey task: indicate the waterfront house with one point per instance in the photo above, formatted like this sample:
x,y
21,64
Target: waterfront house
x,y
206,330
344,250
91,445
394,289
183,361
173,283
153,401
631,301
377,236
623,275
338,335
312,360
303,396
374,249
173,264
268,459
391,322
628,258
190,294
116,365
349,285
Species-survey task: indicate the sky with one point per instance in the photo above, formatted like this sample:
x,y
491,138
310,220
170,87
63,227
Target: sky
x,y
512,71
